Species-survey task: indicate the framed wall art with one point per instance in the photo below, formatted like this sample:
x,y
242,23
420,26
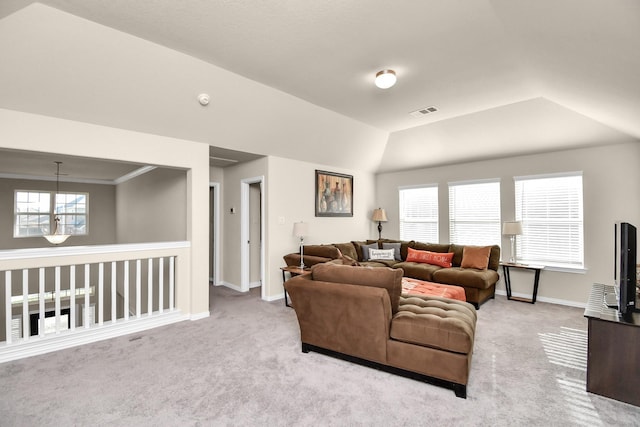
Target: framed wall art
x,y
334,194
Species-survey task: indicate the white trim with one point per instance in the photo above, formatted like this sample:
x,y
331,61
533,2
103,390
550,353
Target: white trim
x,y
547,175
274,297
244,232
80,336
199,316
474,181
411,187
216,232
60,251
231,286
62,179
543,299
134,174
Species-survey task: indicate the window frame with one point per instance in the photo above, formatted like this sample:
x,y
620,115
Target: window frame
x,y
496,223
566,265
424,220
51,213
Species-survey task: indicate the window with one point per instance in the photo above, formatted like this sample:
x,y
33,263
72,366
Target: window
x,y
474,212
419,213
550,209
35,210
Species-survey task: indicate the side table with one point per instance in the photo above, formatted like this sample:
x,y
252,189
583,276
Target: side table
x,y
506,268
293,271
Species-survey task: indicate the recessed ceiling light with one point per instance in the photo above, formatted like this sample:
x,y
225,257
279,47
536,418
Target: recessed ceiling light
x,y
385,79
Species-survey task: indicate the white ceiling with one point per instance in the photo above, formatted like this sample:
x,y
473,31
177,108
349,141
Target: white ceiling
x,y
508,76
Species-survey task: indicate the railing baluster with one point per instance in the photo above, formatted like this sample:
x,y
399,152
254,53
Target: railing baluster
x,y
138,278
161,285
72,296
101,293
41,301
25,305
126,290
172,267
7,304
57,298
87,302
149,286
113,292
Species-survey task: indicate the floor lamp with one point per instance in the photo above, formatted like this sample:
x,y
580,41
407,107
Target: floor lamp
x,y
512,229
300,230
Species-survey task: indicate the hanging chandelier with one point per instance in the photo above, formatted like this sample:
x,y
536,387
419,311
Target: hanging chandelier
x,y
56,237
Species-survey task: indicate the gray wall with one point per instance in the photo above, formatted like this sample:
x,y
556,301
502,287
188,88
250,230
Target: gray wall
x,y
102,226
152,207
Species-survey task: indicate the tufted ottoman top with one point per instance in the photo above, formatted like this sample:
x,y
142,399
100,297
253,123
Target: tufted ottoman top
x,y
435,322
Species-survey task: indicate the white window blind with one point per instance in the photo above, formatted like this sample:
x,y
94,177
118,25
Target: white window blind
x,y
551,211
419,213
474,213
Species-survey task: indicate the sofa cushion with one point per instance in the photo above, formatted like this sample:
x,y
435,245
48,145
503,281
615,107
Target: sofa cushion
x,y
434,258
293,259
435,322
431,247
418,270
384,254
347,249
467,277
326,251
380,277
396,249
365,250
475,257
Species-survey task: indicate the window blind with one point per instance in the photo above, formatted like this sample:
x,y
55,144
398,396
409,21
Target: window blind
x,y
551,211
419,213
474,213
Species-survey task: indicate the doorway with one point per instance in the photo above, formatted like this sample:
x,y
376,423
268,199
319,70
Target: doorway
x,y
252,234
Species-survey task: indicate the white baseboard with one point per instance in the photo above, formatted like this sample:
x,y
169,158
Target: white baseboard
x,y
230,286
544,299
80,336
199,316
274,297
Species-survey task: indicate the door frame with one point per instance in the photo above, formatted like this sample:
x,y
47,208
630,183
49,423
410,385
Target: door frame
x,y
215,256
245,225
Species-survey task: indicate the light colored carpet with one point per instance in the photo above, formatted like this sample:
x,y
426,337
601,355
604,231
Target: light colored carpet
x,y
243,366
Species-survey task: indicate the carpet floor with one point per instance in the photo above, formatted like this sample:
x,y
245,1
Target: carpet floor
x,y
243,366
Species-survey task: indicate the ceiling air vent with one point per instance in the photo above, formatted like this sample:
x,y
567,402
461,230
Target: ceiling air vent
x,y
423,111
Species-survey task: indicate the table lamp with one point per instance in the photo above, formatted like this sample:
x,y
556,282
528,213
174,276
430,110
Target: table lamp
x,y
512,229
380,216
300,230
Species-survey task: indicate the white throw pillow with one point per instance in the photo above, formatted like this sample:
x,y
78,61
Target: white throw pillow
x,y
381,254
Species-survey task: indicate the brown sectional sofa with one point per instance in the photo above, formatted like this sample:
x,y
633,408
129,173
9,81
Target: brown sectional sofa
x,y
479,284
360,315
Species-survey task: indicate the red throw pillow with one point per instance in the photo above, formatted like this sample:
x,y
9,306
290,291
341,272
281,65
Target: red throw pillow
x,y
475,257
434,258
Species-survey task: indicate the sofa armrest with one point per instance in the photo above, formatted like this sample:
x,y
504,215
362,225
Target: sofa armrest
x,y
349,319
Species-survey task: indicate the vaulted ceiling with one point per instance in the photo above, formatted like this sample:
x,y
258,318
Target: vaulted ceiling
x,y
295,78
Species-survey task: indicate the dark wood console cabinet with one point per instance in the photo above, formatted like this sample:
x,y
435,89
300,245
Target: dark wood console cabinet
x,y
613,358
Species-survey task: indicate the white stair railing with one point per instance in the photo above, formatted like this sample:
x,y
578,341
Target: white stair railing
x,y
47,297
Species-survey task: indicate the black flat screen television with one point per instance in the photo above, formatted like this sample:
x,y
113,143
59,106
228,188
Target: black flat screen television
x,y
625,267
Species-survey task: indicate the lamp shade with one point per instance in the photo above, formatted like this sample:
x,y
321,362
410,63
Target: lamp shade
x,y
300,229
379,215
512,228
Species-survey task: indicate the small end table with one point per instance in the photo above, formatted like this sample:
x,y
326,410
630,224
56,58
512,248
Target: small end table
x,y
293,271
506,268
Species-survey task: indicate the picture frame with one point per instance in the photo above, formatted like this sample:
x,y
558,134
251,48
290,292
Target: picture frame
x,y
334,194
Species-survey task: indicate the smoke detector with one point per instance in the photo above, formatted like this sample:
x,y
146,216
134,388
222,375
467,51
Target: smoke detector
x,y
203,99
423,111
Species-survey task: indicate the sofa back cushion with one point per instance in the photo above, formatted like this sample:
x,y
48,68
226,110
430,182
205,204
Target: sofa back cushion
x,y
326,251
379,277
431,247
347,249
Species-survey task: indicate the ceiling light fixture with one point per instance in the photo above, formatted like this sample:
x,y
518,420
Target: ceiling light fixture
x,y
385,79
56,237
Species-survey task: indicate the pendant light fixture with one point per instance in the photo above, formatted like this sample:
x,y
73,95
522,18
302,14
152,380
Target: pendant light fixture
x,y
56,237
